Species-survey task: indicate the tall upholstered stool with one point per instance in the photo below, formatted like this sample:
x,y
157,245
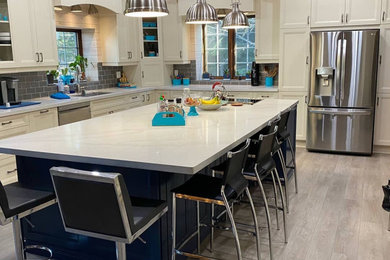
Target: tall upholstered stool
x,y
82,195
17,202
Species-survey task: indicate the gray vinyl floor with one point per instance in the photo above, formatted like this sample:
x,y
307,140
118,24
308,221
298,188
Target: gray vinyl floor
x,y
337,214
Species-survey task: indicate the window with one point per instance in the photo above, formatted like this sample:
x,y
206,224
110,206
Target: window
x,y
69,46
229,51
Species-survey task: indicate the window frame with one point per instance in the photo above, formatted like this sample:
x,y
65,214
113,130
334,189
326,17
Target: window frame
x,y
79,38
231,50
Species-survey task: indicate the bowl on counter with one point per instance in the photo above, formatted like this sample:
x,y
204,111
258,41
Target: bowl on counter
x,y
210,107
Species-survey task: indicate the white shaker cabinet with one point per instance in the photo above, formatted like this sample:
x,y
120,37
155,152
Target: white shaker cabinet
x,y
294,60
175,36
43,119
345,12
362,12
267,31
295,13
327,13
119,40
382,122
384,61
385,15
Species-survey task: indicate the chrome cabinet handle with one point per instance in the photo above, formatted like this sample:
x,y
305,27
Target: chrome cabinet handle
x,y
143,98
131,55
377,101
265,96
44,111
12,171
7,123
41,56
37,56
306,100
308,20
128,55
111,112
346,18
380,59
135,97
255,52
307,60
383,16
181,54
342,18
143,75
142,55
147,97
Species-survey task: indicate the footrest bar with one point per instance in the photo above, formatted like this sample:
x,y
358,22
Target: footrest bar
x,y
187,239
196,256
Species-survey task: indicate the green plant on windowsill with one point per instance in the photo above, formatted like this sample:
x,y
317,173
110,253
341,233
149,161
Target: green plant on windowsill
x,y
226,74
81,62
52,76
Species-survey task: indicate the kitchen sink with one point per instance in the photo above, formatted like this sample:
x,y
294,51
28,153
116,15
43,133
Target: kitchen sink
x,y
92,94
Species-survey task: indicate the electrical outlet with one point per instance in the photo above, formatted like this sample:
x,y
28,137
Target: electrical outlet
x,y
118,74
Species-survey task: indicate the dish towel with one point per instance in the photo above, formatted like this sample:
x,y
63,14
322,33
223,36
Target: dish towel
x,y
59,95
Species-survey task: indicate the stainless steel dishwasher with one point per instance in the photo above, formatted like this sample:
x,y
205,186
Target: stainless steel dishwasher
x,y
73,113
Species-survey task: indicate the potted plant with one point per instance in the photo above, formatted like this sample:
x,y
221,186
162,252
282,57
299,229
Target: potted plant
x,y
248,74
226,74
79,62
52,76
65,76
206,75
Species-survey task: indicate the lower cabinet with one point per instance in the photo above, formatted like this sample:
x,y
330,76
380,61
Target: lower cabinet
x,y
382,122
301,112
43,119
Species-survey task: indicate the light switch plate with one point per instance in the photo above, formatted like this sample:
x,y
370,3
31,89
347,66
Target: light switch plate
x,y
118,75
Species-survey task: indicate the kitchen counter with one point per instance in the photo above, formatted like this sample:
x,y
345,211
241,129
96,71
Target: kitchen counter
x,y
127,139
152,160
48,102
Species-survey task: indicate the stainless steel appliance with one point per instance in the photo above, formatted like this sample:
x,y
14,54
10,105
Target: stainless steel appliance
x,y
9,91
73,113
342,92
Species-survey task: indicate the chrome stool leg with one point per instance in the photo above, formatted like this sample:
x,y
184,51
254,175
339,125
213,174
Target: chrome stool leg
x,y
120,251
276,202
266,212
285,178
198,225
173,226
248,194
283,205
212,228
18,238
234,228
295,165
389,224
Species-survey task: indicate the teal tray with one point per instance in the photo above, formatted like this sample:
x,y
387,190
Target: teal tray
x,y
168,119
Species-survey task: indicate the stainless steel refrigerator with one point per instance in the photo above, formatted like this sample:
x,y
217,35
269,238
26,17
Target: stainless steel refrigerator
x,y
341,102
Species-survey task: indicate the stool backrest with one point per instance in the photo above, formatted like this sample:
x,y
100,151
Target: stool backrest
x,y
3,204
94,204
282,125
233,173
266,143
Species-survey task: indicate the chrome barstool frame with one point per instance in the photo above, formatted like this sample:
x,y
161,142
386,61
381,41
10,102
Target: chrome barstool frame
x,y
20,249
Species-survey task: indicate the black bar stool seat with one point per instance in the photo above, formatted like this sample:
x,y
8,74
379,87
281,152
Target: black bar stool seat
x,y
21,199
144,209
210,189
264,169
282,136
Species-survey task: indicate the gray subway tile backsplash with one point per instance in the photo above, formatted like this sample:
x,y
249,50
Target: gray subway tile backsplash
x,y
34,84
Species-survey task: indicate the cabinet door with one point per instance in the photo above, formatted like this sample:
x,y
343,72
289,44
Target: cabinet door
x,y
328,13
267,31
385,12
294,13
23,33
123,38
152,74
382,122
301,111
45,32
384,61
363,12
43,119
174,35
294,60
133,38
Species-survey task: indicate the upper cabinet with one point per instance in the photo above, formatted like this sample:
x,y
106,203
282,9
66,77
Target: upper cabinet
x,y
175,36
33,34
345,12
385,12
384,61
119,43
267,31
295,13
6,54
150,33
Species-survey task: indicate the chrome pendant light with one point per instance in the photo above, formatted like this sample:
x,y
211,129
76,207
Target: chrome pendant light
x,y
76,9
235,19
146,8
201,13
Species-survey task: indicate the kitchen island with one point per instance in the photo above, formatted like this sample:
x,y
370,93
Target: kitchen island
x,y
152,160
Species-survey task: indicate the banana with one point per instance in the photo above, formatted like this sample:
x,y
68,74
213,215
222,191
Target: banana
x,y
213,101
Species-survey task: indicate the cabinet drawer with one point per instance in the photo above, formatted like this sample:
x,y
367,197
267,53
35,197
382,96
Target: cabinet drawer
x,y
8,172
109,102
11,122
136,98
265,95
43,119
111,110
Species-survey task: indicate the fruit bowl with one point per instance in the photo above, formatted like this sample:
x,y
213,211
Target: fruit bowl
x,y
210,106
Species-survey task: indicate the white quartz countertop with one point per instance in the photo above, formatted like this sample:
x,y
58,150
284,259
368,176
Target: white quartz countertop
x,y
128,139
47,102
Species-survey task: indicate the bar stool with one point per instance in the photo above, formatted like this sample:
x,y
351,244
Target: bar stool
x,y
82,195
17,202
216,191
283,135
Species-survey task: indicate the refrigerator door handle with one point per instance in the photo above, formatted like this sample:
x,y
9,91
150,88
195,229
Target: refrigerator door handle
x,y
334,113
342,79
338,65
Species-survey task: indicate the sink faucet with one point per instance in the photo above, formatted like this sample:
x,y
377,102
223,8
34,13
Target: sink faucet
x,y
82,90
